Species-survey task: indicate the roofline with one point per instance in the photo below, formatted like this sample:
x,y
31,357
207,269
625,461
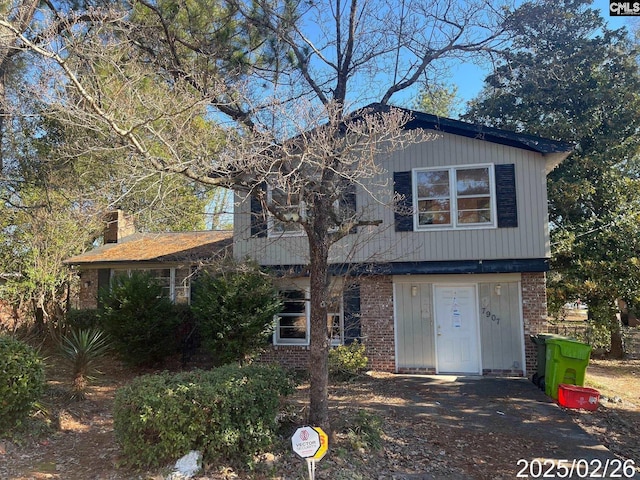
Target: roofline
x,y
154,262
428,121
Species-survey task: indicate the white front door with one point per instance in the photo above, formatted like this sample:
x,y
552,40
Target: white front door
x,y
456,325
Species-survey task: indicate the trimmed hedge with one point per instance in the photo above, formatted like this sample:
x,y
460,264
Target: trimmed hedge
x,y
22,381
228,414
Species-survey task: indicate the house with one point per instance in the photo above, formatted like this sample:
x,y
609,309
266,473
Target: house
x,y
454,282
169,257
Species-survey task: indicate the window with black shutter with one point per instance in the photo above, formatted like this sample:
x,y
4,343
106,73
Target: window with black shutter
x,y
461,197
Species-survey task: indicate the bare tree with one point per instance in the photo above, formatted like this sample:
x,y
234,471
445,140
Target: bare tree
x,y
260,93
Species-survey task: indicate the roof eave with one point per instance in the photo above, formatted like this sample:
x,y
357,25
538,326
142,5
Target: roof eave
x,y
523,141
552,160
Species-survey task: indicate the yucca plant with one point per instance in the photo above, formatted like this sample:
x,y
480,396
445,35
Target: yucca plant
x,y
82,347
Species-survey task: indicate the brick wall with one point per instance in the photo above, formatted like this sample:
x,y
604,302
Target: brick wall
x,y
534,313
293,357
88,293
376,317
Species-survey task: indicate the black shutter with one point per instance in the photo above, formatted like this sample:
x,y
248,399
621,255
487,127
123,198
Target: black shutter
x,y
351,306
506,195
350,204
404,206
258,217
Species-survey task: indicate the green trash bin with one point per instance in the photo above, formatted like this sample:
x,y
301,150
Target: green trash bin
x,y
566,362
539,340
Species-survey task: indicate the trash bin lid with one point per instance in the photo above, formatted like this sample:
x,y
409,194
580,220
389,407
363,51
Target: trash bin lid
x,y
571,348
541,338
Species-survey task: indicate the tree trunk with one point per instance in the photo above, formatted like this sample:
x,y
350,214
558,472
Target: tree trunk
x,y
616,349
319,344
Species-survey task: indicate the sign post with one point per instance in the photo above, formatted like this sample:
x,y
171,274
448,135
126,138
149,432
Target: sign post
x,y
310,443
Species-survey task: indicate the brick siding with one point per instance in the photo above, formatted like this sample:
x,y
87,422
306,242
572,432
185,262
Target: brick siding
x,y
376,312
376,320
88,294
377,326
293,357
534,313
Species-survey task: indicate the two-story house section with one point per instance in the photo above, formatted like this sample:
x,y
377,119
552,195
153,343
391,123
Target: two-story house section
x,y
451,278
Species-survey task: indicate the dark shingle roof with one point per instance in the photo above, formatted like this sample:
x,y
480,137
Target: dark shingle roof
x,y
473,130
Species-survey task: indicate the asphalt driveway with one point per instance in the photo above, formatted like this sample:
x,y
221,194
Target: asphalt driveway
x,y
506,419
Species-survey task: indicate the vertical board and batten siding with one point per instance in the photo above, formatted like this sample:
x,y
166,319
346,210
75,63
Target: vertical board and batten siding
x,y
501,332
501,342
528,240
414,326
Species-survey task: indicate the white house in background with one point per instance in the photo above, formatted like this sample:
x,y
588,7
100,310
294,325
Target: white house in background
x,y
455,283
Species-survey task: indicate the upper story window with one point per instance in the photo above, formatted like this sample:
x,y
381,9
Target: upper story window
x,y
289,207
455,197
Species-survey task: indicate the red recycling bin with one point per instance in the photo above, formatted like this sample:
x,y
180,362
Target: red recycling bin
x,y
573,396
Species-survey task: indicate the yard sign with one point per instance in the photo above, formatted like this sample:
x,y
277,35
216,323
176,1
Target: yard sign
x,y
310,443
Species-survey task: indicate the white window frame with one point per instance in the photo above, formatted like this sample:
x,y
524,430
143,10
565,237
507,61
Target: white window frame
x,y
302,211
172,278
271,220
278,341
453,199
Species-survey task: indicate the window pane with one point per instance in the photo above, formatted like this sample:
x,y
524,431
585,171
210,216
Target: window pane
x,y
434,212
333,326
282,198
293,307
473,181
474,210
287,204
294,327
287,227
433,184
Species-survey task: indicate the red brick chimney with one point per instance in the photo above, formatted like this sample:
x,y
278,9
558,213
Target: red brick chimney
x,y
118,226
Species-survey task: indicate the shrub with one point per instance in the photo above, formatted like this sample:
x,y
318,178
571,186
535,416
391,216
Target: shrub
x,y
234,311
81,348
139,320
228,414
347,361
21,381
365,431
84,318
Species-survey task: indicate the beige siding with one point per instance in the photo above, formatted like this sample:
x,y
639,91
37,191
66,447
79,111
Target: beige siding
x,y
414,325
499,317
501,326
383,244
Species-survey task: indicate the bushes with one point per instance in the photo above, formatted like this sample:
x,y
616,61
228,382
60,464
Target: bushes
x,y
139,320
347,361
227,413
234,312
21,381
82,319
